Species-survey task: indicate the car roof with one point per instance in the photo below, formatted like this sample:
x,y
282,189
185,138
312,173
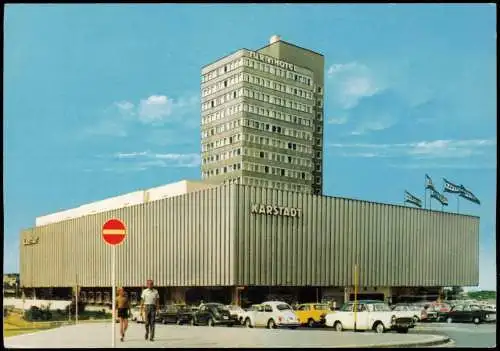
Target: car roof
x,y
274,303
367,301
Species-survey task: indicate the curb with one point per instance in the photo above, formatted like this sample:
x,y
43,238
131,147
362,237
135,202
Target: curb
x,y
443,342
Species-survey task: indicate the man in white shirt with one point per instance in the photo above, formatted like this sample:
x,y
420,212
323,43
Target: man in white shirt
x,y
150,302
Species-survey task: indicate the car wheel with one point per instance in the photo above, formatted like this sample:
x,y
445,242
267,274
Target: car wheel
x,y
476,320
338,327
449,320
248,323
271,324
379,328
163,321
178,322
210,322
310,323
416,319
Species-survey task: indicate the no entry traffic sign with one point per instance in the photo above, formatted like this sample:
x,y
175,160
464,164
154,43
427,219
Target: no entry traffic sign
x,y
114,232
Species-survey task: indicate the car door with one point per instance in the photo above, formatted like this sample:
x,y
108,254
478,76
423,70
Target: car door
x,y
362,315
456,313
466,315
348,316
265,315
202,315
301,313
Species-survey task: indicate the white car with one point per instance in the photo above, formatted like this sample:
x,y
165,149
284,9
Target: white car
x,y
136,316
411,311
371,315
237,312
271,314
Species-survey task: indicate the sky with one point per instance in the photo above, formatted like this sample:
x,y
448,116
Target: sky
x,y
102,100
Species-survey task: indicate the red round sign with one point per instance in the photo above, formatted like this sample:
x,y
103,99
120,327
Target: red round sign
x,y
114,232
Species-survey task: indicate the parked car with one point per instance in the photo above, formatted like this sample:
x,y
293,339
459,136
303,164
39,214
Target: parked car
x,y
412,311
136,316
272,315
236,312
433,309
468,313
371,315
185,315
211,314
312,314
170,314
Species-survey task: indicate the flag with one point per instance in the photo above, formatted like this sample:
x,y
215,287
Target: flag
x,y
412,199
449,187
468,195
440,197
428,182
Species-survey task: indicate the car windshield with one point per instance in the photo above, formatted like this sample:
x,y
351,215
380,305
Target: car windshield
x,y
380,307
321,307
283,307
347,308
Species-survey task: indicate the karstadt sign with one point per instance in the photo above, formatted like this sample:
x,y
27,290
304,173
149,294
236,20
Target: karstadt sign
x,y
275,210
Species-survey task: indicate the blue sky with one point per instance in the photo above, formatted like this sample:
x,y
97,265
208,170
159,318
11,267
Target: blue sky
x,y
101,100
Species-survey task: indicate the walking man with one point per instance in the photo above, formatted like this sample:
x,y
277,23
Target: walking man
x,y
150,303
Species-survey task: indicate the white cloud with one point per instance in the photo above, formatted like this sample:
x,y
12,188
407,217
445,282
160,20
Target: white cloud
x,y
350,83
118,118
381,123
130,155
154,109
125,107
444,166
435,149
337,120
140,161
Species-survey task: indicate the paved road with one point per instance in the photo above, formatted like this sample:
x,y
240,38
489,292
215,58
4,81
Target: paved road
x,y
463,334
98,335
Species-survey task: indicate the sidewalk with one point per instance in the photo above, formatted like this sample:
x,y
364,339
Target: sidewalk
x,y
98,335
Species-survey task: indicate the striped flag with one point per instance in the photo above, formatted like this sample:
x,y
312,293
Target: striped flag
x,y
412,199
450,187
428,182
440,197
468,195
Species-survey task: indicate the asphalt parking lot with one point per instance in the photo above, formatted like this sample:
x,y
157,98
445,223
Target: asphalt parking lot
x,y
463,334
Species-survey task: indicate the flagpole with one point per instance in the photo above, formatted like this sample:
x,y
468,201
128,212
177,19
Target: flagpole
x,y
425,193
458,204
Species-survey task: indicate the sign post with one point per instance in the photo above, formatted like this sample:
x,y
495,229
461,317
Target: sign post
x,y
355,296
113,233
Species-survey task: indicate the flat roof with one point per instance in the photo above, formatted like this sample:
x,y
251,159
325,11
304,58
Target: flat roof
x,y
233,52
286,42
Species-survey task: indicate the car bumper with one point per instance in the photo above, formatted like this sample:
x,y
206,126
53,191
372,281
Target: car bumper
x,y
403,324
226,322
288,325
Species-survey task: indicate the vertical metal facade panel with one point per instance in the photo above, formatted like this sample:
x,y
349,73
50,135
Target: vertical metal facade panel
x,y
211,238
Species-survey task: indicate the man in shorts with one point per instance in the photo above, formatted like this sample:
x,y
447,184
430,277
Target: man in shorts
x,y
150,303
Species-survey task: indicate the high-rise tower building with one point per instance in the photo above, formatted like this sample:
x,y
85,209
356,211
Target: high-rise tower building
x,y
262,118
